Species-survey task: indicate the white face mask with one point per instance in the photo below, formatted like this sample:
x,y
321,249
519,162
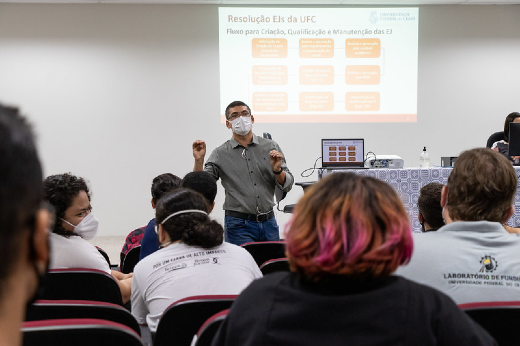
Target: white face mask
x,y
241,125
87,228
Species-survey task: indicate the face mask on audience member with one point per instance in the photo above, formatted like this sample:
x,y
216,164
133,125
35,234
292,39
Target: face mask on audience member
x,y
241,125
87,228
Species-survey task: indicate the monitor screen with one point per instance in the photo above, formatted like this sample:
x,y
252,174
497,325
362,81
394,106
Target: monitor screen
x,y
342,152
514,139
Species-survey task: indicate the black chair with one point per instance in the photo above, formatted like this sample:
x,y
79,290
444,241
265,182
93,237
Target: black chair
x,y
289,208
182,319
263,251
495,137
62,309
78,332
275,265
500,319
105,255
209,329
81,284
130,260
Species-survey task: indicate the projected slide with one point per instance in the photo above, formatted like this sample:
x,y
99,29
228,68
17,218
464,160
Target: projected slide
x,y
320,65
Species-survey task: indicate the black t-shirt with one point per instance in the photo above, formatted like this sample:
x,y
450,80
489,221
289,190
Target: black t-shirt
x,y
282,309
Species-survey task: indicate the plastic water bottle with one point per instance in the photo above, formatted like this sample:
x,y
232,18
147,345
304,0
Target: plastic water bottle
x,y
424,160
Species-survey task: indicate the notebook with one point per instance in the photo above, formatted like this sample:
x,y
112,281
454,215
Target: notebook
x,y
343,153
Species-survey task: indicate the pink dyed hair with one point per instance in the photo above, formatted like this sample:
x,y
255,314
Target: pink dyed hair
x,y
349,225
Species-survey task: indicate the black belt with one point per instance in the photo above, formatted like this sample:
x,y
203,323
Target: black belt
x,y
251,217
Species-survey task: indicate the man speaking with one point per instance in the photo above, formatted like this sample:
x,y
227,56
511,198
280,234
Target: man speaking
x,y
251,169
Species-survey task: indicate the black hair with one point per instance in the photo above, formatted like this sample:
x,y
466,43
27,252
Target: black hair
x,y
164,183
235,104
60,191
429,204
195,229
509,119
203,183
20,187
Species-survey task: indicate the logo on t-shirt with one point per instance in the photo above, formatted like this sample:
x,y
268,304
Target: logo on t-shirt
x,y
489,264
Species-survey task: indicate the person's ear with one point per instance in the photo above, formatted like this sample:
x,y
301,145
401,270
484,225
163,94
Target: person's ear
x,y
510,211
43,222
252,119
421,218
153,204
211,207
228,124
444,196
161,235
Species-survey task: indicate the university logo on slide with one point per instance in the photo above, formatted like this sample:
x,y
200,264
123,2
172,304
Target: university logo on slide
x,y
489,264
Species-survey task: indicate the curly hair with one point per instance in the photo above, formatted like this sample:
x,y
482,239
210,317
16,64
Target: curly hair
x,y
348,225
194,229
162,184
60,190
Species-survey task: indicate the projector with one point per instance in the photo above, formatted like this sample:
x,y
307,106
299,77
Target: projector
x,y
385,161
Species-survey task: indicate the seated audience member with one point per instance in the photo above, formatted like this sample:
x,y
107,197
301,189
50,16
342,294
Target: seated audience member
x,y
201,182
75,224
473,258
430,210
193,259
503,146
348,235
139,237
24,225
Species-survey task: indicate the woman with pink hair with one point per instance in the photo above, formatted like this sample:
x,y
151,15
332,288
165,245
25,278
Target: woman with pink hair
x,y
348,235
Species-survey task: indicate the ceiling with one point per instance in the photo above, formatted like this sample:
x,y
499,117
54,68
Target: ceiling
x,y
282,2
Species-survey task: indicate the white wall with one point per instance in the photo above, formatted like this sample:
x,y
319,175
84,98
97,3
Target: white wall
x,y
118,93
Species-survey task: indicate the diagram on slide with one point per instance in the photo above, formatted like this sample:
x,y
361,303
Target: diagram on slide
x,y
320,64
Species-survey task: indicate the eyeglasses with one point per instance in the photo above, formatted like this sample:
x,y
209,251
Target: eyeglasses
x,y
235,115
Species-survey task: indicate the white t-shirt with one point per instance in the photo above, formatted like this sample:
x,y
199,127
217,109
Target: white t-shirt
x,y
179,271
75,252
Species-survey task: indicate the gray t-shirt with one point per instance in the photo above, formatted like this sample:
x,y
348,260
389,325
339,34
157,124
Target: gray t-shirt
x,y
470,261
246,174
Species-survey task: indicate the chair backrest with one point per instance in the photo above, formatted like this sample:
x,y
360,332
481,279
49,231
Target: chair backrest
x,y
61,309
208,330
500,319
275,265
495,137
265,250
78,332
130,260
104,254
182,319
81,284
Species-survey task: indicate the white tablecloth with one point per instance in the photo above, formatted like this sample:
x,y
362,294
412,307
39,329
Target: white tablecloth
x,y
409,181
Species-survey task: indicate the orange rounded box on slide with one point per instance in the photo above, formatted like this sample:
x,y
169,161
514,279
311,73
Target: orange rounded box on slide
x,y
362,101
362,48
316,75
362,75
316,48
316,101
269,47
270,75
270,101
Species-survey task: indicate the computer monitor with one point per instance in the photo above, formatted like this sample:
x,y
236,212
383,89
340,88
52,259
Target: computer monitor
x,y
514,139
342,153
